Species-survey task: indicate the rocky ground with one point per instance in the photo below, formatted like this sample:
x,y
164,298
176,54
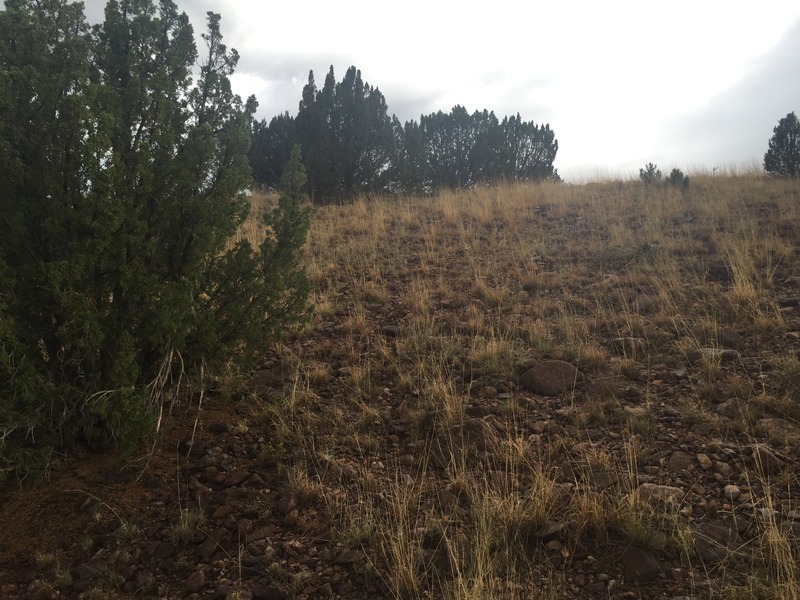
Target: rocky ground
x,y
588,426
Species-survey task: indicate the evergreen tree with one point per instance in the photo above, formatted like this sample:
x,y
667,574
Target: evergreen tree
x,y
346,136
271,148
122,188
783,156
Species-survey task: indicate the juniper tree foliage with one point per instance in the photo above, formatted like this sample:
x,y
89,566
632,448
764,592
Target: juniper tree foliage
x,y
782,159
121,191
462,150
346,136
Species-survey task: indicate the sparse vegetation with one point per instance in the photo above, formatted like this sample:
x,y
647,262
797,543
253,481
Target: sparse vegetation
x,y
407,453
650,174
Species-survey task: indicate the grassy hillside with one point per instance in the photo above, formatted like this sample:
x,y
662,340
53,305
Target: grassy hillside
x,y
519,392
416,429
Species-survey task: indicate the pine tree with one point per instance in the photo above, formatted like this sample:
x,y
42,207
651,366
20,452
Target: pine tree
x,y
783,156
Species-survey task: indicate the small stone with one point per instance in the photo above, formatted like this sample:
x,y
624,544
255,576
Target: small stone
x,y
734,408
550,378
538,427
325,590
195,581
680,461
487,392
222,512
704,461
632,372
732,492
639,566
554,545
722,468
655,494
287,504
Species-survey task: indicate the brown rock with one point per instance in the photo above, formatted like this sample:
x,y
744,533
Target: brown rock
x,y
680,461
714,540
657,494
639,566
550,378
704,461
222,511
196,581
265,380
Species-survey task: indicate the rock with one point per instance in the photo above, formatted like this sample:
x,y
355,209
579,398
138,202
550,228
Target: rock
x,y
639,566
735,408
788,301
222,511
164,550
195,581
287,504
660,494
728,338
550,378
538,427
390,331
603,479
723,355
632,372
551,530
766,461
680,461
704,461
266,380
731,492
713,541
718,270
722,468
636,412
254,482
487,392
644,304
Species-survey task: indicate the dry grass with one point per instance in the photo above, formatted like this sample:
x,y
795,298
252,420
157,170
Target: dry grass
x,y
408,425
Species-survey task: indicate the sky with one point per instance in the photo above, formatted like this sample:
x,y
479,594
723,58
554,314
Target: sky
x,y
692,84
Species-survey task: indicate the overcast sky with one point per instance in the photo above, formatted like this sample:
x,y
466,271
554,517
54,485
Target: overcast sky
x,y
687,83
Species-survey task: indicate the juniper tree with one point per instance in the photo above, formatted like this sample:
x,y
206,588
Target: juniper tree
x,y
783,156
122,190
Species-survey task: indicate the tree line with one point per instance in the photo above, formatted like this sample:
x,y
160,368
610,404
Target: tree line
x,y
351,146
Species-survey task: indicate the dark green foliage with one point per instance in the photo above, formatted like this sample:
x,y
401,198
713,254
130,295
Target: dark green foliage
x,y
650,174
782,159
271,148
462,150
352,147
677,179
346,136
121,187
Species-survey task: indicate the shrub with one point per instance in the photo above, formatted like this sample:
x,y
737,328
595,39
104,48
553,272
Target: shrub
x,y
121,189
677,179
650,174
783,156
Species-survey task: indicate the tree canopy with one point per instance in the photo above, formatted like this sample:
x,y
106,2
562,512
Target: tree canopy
x,y
351,146
121,191
782,159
